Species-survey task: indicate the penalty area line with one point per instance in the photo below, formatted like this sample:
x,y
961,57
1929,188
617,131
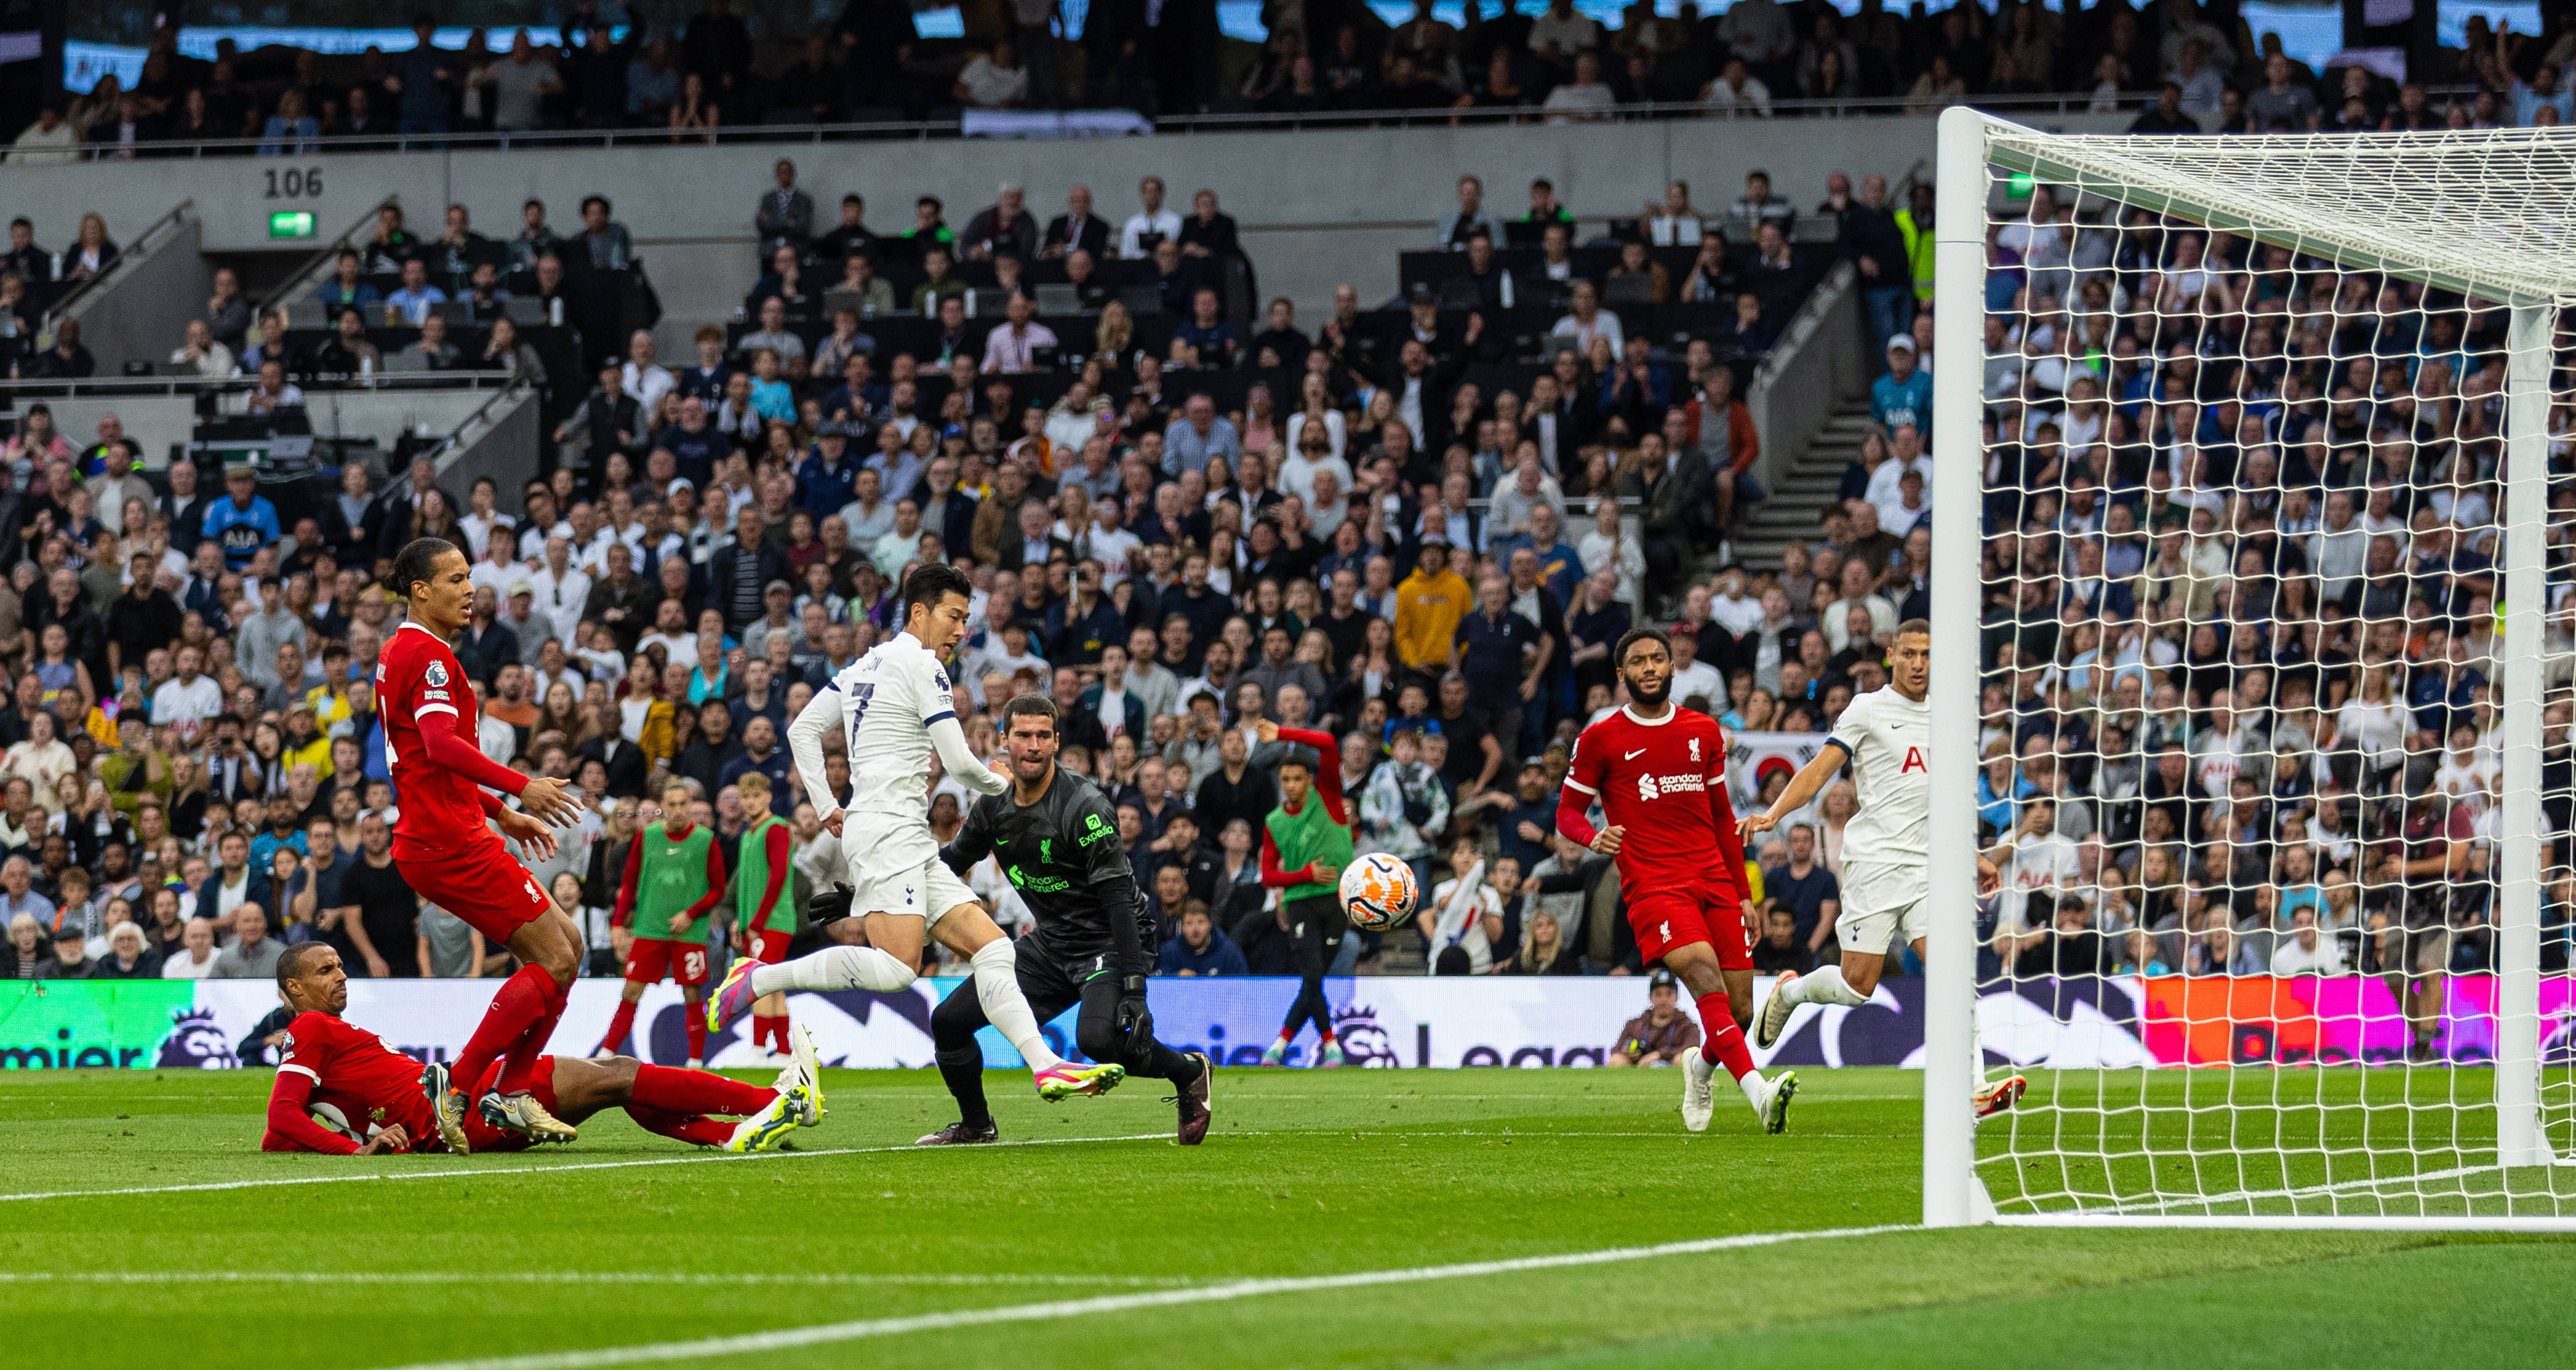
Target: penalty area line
x,y
825,1334
492,1171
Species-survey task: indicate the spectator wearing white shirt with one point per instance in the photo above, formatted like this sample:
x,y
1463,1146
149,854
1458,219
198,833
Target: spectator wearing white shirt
x,y
500,564
1737,88
561,590
646,379
1584,97
1730,608
202,355
1153,222
994,81
2305,951
1462,919
188,698
2034,858
1589,321
195,959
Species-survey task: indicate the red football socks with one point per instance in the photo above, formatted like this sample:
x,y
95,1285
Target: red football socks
x,y
697,1091
695,1018
688,1127
526,999
620,1026
1724,1042
519,1067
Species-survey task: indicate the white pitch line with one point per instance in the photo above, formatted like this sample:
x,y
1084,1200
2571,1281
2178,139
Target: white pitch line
x,y
543,1169
2186,1203
831,1333
570,1277
756,1343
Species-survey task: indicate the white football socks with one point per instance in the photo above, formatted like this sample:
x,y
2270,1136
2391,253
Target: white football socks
x,y
997,987
1824,985
1757,1089
835,968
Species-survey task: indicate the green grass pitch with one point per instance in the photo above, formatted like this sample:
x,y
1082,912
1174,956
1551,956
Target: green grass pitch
x,y
1085,1251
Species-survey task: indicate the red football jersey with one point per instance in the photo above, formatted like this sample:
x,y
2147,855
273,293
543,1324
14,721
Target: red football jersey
x,y
370,1085
1654,779
419,684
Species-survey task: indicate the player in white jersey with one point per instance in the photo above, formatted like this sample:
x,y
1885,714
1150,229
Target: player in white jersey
x,y
1886,737
896,710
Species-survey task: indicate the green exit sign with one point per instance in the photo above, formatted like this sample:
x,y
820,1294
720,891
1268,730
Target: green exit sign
x,y
291,223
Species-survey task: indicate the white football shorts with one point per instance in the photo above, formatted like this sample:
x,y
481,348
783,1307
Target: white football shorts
x,y
1883,903
890,874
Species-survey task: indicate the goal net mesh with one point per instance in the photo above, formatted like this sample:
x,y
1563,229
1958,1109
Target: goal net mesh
x,y
2248,732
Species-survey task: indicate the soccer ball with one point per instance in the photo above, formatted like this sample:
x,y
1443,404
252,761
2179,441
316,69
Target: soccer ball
x,y
1378,892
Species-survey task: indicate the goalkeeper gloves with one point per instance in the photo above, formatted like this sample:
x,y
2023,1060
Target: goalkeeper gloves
x,y
1131,1013
826,909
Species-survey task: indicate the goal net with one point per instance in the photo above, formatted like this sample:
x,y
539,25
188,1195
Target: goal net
x,y
2255,621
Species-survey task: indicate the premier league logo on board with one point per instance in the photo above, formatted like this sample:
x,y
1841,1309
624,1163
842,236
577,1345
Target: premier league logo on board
x,y
195,1043
1363,1040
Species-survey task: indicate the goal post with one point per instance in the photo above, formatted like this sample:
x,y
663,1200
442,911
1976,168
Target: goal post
x,y
2250,457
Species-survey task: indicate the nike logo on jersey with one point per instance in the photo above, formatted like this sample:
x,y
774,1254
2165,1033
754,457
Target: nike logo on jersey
x,y
1634,755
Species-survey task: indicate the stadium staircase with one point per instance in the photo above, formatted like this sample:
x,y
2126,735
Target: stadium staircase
x,y
1804,491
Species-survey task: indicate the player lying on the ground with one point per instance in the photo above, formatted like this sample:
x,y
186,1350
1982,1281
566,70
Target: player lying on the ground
x,y
451,858
896,710
1659,771
1057,841
1886,737
377,1100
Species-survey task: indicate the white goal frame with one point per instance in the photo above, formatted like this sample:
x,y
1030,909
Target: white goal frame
x,y
2527,267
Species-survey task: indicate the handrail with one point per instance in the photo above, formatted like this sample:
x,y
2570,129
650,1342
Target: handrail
x,y
2059,103
482,411
135,248
44,388
304,277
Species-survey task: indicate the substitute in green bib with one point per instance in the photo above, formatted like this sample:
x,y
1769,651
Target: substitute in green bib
x,y
674,876
764,918
1305,845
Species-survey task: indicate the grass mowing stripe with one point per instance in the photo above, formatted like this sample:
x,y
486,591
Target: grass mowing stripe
x,y
571,1277
544,1169
823,1334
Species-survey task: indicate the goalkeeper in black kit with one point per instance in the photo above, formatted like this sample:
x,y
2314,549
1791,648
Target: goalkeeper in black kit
x,y
1056,838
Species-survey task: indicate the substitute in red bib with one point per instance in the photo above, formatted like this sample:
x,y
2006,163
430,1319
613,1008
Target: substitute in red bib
x,y
1659,772
451,858
341,1091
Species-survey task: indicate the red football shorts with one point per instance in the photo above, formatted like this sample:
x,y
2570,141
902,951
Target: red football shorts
x,y
1707,912
485,1137
481,884
768,946
654,959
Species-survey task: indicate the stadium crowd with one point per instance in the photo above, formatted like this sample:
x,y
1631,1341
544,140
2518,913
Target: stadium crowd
x,y
1433,573
607,67
2241,596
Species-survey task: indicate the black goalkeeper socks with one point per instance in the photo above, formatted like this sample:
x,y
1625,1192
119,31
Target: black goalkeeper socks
x,y
966,1083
